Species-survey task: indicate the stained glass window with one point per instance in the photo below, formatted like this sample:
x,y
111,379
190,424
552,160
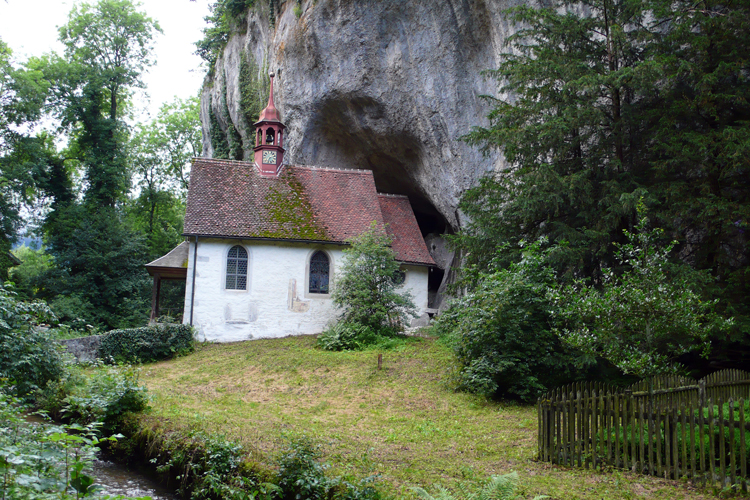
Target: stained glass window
x,y
237,268
319,273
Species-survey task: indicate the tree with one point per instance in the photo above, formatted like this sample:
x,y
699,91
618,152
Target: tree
x,y
160,158
503,334
605,102
367,286
98,258
22,96
644,319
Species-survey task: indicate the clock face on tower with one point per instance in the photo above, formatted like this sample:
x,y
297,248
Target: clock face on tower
x,y
269,157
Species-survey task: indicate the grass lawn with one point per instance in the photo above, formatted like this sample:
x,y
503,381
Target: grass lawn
x,y
402,422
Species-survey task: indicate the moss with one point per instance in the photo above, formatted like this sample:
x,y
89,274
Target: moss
x,y
218,138
254,85
291,212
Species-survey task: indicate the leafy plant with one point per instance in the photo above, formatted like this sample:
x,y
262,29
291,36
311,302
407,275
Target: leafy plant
x,y
502,331
29,359
344,336
142,345
106,396
301,476
366,287
44,461
496,488
643,319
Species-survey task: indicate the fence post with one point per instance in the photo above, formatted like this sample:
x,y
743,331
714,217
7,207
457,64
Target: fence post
x,y
732,454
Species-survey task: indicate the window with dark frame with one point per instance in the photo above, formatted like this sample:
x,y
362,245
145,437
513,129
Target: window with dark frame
x,y
319,273
236,268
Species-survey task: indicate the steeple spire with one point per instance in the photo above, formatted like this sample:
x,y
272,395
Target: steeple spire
x,y
270,113
269,138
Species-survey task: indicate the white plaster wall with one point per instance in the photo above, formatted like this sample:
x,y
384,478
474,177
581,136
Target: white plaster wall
x,y
276,302
416,284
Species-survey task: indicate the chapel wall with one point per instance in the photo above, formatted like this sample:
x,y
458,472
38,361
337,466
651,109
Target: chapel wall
x,y
276,302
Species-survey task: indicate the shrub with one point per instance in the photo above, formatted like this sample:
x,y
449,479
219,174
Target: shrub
x,y
107,395
28,357
346,336
44,461
501,332
134,345
300,473
496,488
366,287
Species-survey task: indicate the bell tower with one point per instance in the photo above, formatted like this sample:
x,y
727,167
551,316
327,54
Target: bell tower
x,y
269,139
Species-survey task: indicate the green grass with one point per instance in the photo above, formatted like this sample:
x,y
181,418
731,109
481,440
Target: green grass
x,y
403,422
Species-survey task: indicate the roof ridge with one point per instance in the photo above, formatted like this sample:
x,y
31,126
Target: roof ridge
x,y
391,195
333,169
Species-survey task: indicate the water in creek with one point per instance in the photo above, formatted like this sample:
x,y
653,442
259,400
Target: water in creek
x,y
120,480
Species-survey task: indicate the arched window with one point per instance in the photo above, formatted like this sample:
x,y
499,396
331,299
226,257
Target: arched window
x,y
237,268
259,140
319,273
269,136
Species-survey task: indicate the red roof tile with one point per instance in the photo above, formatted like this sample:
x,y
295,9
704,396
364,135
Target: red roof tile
x,y
231,199
403,228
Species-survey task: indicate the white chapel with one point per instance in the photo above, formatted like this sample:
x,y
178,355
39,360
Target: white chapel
x,y
264,240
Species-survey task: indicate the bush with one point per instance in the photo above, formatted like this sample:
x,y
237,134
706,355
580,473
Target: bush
x,y
366,289
29,359
105,396
346,336
142,345
501,332
300,473
44,461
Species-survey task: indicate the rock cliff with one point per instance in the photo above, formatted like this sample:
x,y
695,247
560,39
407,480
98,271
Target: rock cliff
x,y
385,85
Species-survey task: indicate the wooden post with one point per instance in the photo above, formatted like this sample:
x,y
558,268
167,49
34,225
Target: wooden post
x,y
743,446
155,292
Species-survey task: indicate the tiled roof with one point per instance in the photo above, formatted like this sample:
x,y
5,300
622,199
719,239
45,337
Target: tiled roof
x,y
403,228
231,199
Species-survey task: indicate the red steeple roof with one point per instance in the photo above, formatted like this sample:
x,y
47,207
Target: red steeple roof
x,y
270,113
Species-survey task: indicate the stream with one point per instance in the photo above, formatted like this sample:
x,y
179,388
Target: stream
x,y
118,479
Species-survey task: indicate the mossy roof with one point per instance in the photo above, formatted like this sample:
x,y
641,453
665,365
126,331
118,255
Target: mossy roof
x,y
230,199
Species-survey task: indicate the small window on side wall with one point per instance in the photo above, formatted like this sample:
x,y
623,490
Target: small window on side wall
x,y
236,268
319,273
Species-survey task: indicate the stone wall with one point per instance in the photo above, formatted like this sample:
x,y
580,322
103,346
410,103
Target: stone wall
x,y
83,348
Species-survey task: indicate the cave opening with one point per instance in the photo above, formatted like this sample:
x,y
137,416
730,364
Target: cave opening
x,y
356,131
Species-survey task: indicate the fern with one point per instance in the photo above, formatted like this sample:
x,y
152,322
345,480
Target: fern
x,y
497,488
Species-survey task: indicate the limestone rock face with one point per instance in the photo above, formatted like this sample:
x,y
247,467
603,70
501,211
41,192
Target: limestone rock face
x,y
385,85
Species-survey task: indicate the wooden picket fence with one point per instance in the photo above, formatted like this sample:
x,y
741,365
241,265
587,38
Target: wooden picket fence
x,y
686,429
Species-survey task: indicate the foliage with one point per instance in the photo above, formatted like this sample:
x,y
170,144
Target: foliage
x,y
143,345
344,336
205,465
99,274
300,473
503,332
640,321
104,396
161,152
366,288
603,102
224,16
45,461
496,488
22,96
27,275
28,357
